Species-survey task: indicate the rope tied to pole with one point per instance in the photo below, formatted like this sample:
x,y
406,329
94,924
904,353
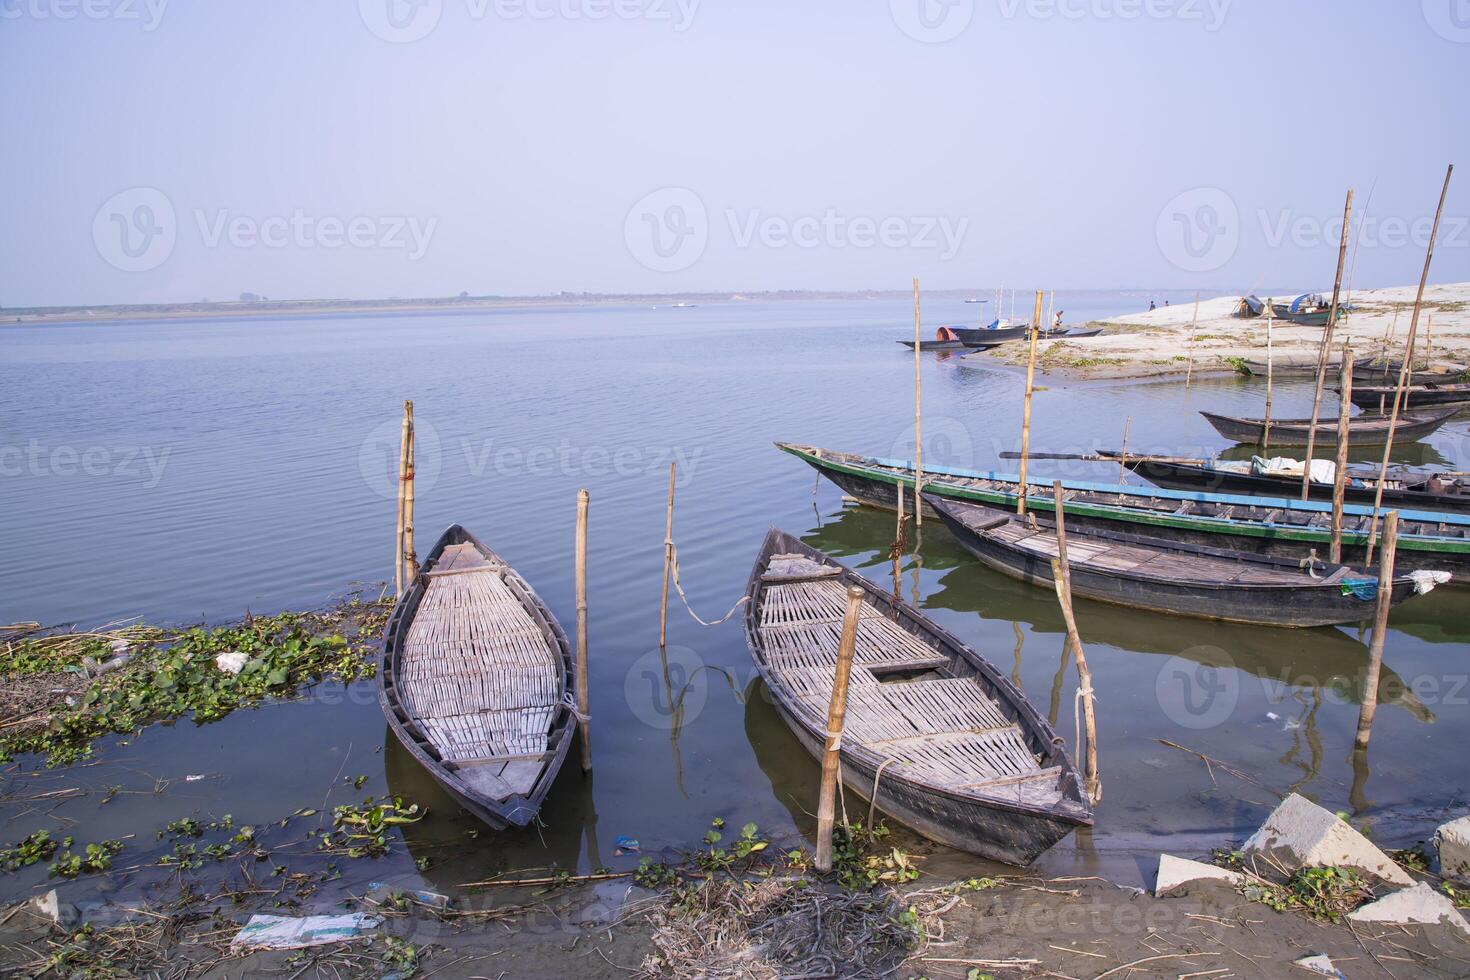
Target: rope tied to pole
x,y
873,798
569,702
674,564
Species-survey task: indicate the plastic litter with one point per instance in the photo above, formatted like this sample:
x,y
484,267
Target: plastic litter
x,y
231,663
283,932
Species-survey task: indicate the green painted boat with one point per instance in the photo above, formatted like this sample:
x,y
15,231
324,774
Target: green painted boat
x,y
1261,525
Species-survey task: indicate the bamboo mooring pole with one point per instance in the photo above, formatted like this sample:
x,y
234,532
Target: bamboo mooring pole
x,y
1026,414
896,551
1404,372
1339,477
836,713
1193,324
1123,459
1380,630
410,558
402,479
1061,574
1326,348
583,700
1270,376
663,602
918,417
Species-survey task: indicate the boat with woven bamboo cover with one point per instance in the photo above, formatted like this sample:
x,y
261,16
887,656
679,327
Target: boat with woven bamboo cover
x,y
949,746
474,678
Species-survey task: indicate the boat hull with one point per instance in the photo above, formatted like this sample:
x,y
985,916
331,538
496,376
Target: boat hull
x,y
1306,607
1362,430
957,822
1181,477
1375,397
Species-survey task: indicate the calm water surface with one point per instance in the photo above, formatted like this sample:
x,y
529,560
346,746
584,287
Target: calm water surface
x,y
182,471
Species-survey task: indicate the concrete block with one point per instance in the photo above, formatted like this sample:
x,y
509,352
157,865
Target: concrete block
x,y
1301,834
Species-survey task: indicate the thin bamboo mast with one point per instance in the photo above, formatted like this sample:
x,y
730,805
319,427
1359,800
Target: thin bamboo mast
x,y
410,559
663,602
918,420
402,475
1398,396
1270,379
1380,630
583,706
1061,573
1325,350
1026,414
1339,477
836,714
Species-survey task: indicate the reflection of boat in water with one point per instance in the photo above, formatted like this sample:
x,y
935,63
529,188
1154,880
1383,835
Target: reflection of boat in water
x,y
456,843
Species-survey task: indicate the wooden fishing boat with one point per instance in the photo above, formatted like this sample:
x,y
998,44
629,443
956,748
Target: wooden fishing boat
x,y
1376,397
1371,370
1363,430
1070,333
1294,366
938,345
948,745
1286,527
474,678
1405,490
1130,569
991,335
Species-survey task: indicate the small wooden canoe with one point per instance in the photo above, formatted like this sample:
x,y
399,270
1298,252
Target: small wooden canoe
x,y
1374,397
990,335
474,678
950,747
1167,576
1371,370
1363,430
938,345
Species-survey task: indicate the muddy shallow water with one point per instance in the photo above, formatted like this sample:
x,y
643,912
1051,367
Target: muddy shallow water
x,y
193,470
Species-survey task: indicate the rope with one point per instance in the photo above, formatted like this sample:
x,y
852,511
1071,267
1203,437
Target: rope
x,y
835,738
1308,563
873,800
674,563
569,702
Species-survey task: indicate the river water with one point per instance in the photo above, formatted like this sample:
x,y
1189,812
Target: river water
x,y
190,470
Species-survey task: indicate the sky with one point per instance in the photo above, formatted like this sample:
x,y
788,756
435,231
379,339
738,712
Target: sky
x,y
177,150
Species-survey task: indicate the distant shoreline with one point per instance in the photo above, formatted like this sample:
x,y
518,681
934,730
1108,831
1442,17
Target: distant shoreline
x,y
321,307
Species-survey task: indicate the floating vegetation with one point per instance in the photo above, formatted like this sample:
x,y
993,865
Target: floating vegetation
x,y
35,848
1328,894
95,859
362,831
57,696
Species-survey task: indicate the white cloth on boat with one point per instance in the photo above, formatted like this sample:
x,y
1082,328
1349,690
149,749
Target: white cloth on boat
x,y
1425,580
1323,470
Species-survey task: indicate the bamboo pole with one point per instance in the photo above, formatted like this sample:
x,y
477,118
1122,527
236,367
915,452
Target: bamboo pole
x,y
1380,630
398,527
1326,347
895,552
1398,395
1061,574
1193,324
836,713
1270,375
918,416
663,603
1026,415
1123,459
410,558
583,700
1339,477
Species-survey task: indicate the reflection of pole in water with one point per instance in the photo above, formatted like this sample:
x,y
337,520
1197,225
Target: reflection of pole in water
x,y
1056,683
1020,640
1358,795
676,720
1306,732
594,853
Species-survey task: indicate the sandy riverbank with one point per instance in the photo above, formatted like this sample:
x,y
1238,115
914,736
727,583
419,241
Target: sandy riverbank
x,y
1158,342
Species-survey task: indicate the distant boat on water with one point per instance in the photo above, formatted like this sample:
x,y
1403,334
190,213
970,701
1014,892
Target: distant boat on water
x,y
977,301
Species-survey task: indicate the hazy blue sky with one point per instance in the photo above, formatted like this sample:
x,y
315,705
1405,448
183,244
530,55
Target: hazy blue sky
x,y
182,150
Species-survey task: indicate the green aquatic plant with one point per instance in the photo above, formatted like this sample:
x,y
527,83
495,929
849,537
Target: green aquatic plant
x,y
94,859
1327,894
170,676
362,831
34,848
